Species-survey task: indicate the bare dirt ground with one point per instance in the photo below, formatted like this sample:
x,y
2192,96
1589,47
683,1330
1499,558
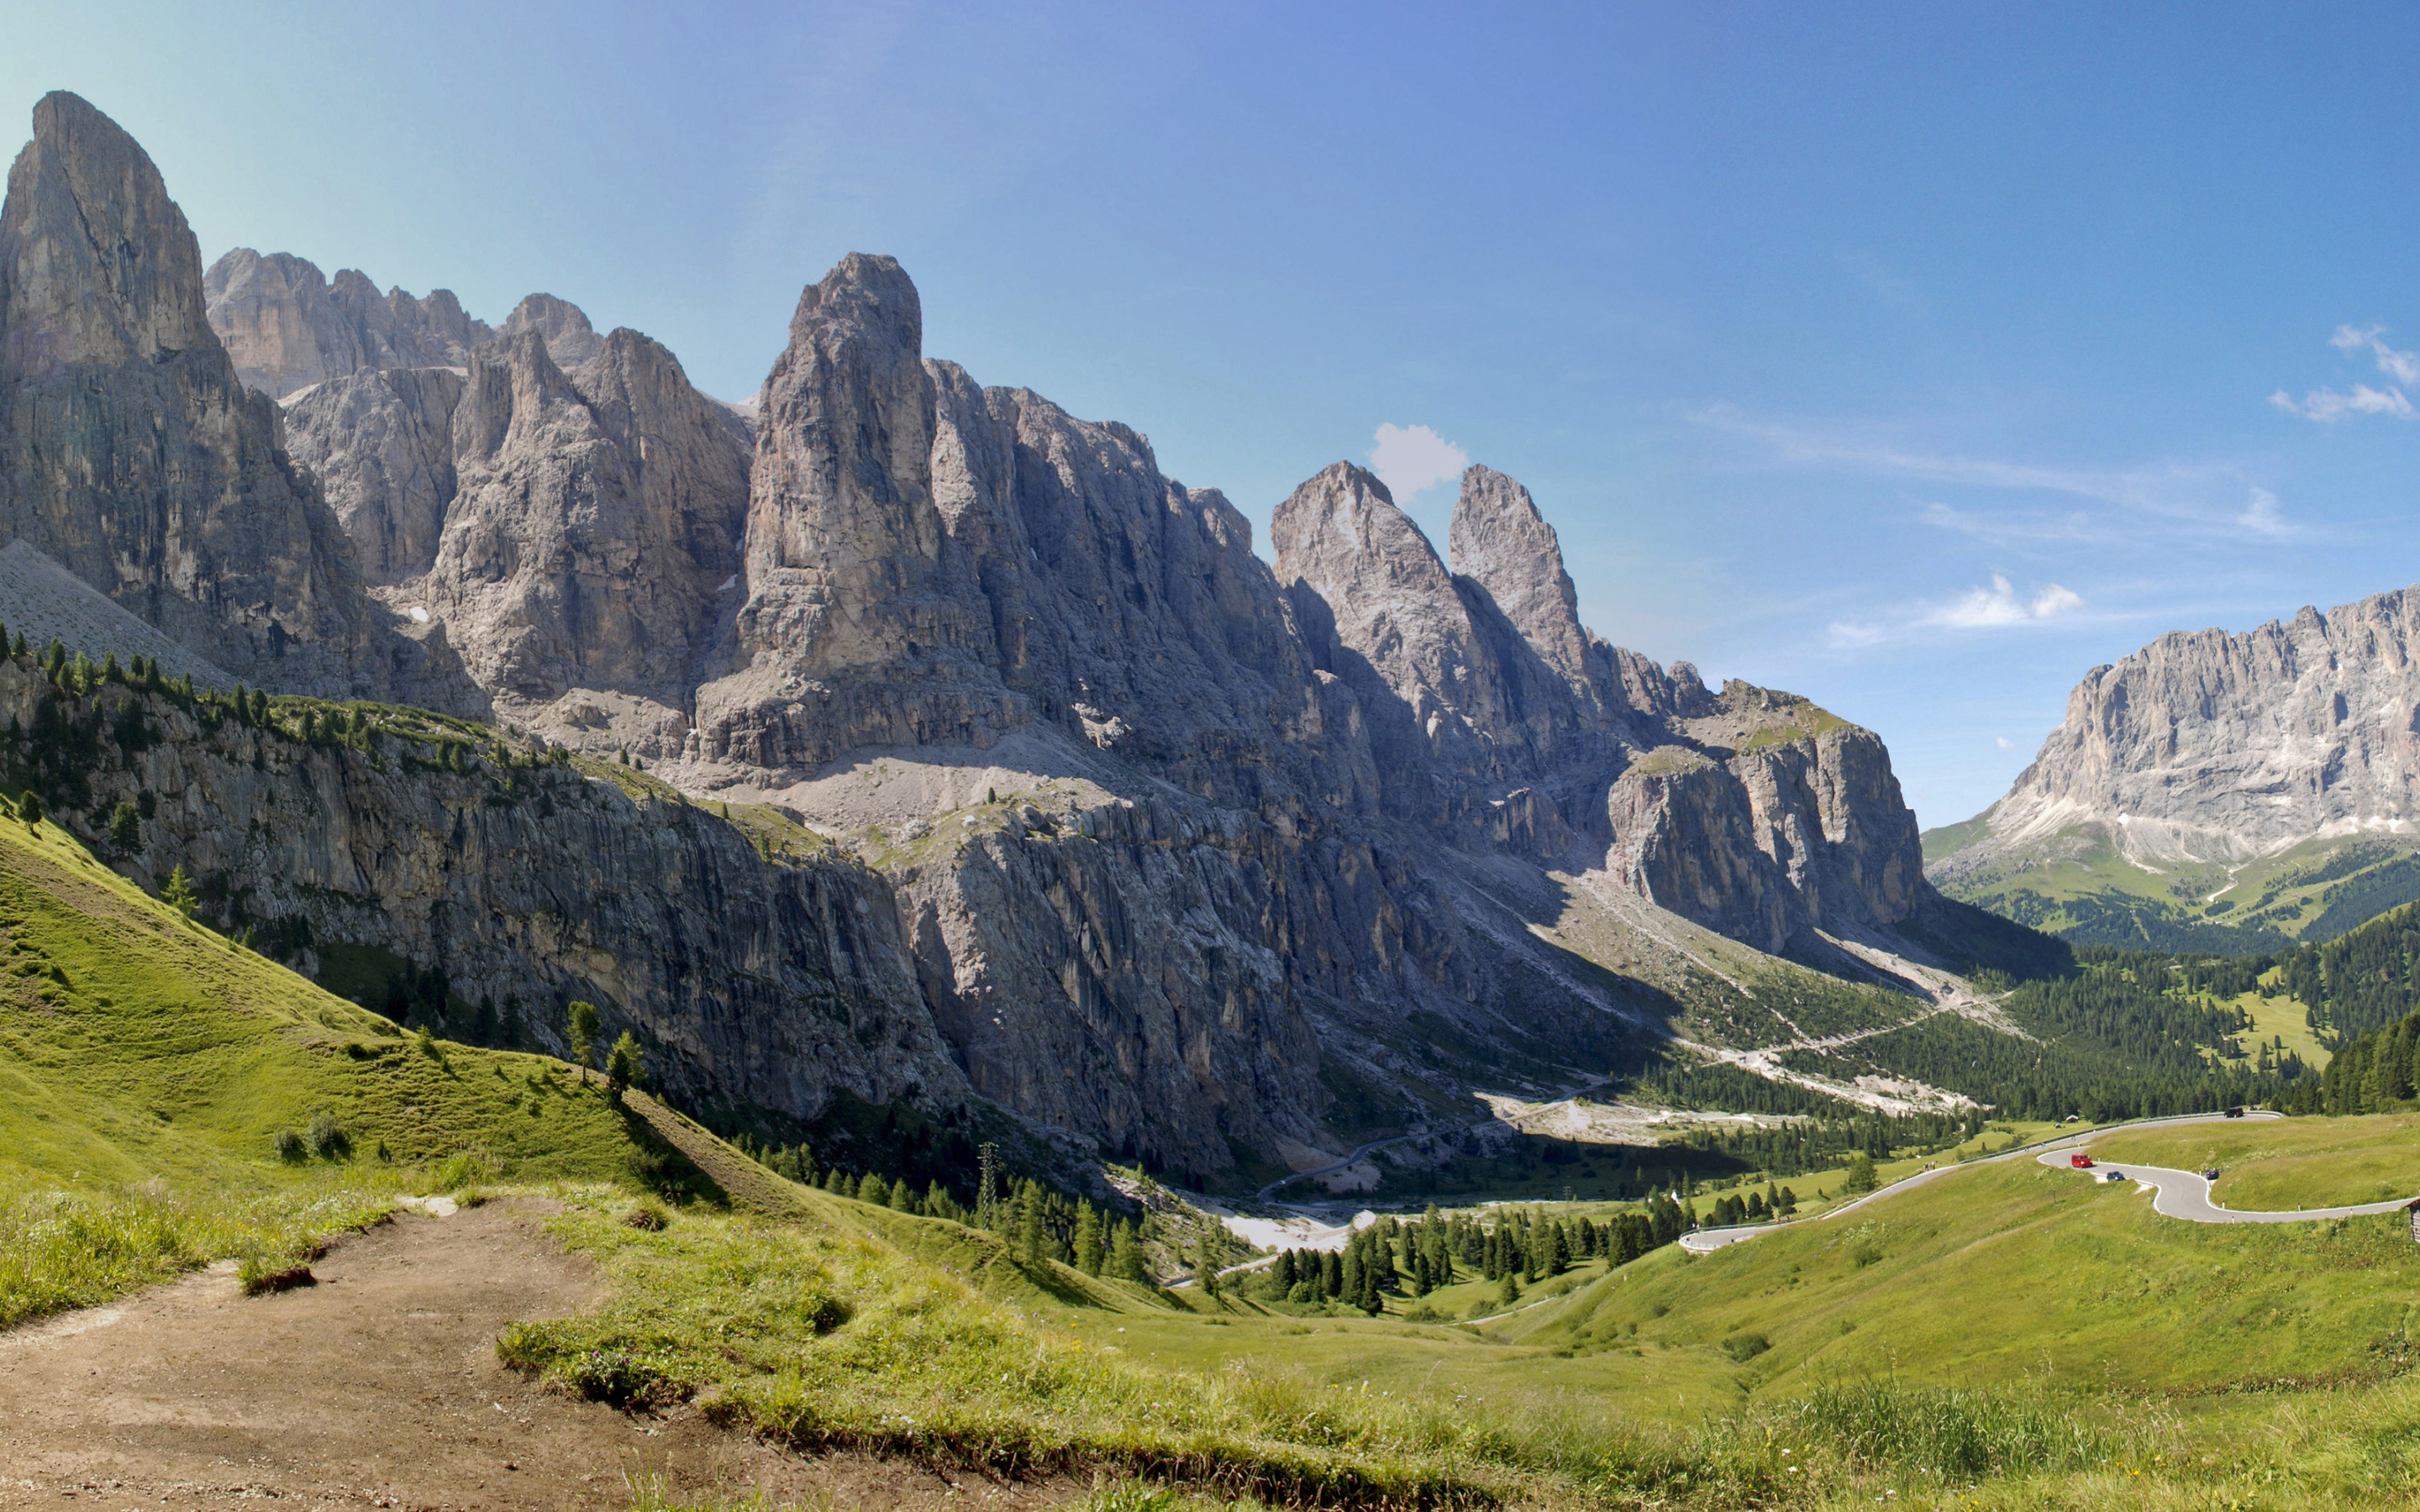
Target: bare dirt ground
x,y
379,1387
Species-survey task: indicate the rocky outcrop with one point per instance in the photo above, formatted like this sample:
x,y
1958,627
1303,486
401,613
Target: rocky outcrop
x,y
571,339
772,982
2209,746
382,444
861,623
1402,634
593,537
131,456
287,327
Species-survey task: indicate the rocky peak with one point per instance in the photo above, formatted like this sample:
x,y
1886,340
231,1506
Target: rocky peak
x,y
1499,541
382,444
96,264
513,392
1395,608
130,455
2210,746
287,327
851,573
569,338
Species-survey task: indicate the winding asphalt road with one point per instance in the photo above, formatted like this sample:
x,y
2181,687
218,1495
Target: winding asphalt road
x,y
2186,1194
2181,1193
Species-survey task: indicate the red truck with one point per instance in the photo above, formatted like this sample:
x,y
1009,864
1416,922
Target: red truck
x,y
2082,1163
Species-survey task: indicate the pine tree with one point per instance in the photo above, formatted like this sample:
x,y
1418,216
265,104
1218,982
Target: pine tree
x,y
873,1189
1088,1239
125,829
178,892
1125,1254
626,1066
1033,1240
903,1198
1212,1251
580,1030
1510,1292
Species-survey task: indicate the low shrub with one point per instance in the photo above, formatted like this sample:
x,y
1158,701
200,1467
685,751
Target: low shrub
x,y
1746,1346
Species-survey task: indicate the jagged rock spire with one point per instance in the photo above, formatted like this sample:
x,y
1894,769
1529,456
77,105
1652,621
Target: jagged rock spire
x,y
96,264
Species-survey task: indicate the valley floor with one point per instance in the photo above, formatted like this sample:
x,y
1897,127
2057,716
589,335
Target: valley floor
x,y
379,1387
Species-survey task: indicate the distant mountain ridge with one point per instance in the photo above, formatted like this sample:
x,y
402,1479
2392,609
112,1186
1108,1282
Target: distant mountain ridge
x,y
2217,789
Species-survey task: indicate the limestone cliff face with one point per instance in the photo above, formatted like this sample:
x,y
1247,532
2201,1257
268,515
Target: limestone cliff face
x,y
286,327
131,456
772,982
594,529
381,443
861,625
577,535
2209,746
1123,607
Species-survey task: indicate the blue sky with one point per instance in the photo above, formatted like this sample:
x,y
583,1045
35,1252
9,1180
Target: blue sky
x,y
1913,358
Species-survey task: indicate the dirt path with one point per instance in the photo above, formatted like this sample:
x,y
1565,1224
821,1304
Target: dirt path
x,y
377,1388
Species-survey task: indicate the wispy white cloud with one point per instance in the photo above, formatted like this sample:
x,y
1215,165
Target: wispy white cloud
x,y
1412,457
1998,607
2327,406
2403,367
2262,517
1982,608
2164,503
2004,743
2173,490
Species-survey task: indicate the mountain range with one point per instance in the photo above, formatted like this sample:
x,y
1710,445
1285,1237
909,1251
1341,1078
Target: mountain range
x,y
894,741
2217,790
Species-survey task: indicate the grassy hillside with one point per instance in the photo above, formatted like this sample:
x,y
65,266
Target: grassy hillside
x,y
2081,888
2010,1335
148,1069
2268,1166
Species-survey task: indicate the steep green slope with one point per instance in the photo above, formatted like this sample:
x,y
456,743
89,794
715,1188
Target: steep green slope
x,y
148,1068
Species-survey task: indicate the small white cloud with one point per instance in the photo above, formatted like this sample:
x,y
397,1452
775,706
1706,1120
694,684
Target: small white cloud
x,y
1412,457
2403,367
1848,635
2327,406
2004,743
1984,609
2261,517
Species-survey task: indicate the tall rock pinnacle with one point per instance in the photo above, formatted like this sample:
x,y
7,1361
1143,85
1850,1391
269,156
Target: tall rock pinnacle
x,y
130,454
853,582
1500,541
96,264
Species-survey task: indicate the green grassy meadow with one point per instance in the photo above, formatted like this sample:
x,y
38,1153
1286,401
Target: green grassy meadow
x,y
2008,1336
2272,1166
